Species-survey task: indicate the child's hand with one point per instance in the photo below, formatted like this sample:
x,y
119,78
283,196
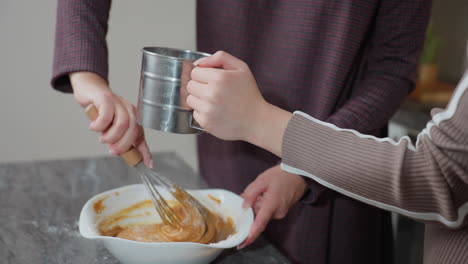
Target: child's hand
x,y
117,117
225,97
271,195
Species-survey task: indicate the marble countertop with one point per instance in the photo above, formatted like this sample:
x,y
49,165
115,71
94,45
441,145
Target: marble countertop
x,y
40,204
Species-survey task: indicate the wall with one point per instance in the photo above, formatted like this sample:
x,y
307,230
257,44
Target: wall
x,y
39,123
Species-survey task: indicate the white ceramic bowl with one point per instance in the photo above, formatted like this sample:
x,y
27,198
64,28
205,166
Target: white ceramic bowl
x,y
128,251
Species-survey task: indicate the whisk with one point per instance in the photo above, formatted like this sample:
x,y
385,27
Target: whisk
x,y
150,177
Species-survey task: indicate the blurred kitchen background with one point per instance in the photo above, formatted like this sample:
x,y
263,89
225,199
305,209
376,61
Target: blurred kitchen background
x,y
38,123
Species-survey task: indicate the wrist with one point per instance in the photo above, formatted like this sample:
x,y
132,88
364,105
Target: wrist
x,y
268,127
88,80
88,85
255,125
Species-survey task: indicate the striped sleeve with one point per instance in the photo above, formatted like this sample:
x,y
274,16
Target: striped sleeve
x,y
428,182
80,40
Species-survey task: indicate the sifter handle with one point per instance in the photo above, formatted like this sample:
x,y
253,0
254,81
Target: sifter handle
x,y
132,156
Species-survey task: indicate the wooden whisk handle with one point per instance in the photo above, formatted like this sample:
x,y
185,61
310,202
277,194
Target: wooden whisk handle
x,y
132,156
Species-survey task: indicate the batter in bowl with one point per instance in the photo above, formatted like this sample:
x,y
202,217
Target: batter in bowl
x,y
193,228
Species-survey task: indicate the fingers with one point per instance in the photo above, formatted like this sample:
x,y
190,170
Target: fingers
x,y
252,192
125,132
258,205
199,90
220,59
142,146
199,119
105,117
116,118
261,220
197,104
120,124
130,134
206,75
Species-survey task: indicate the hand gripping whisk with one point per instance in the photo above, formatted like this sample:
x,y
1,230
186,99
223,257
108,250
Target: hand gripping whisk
x,y
149,178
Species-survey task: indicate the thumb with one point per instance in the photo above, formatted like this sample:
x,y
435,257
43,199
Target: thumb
x,y
261,220
220,59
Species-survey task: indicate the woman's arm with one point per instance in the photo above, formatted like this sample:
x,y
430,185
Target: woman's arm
x,y
80,40
81,66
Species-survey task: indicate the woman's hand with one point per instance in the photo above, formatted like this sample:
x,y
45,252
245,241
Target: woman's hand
x,y
227,103
117,117
271,195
